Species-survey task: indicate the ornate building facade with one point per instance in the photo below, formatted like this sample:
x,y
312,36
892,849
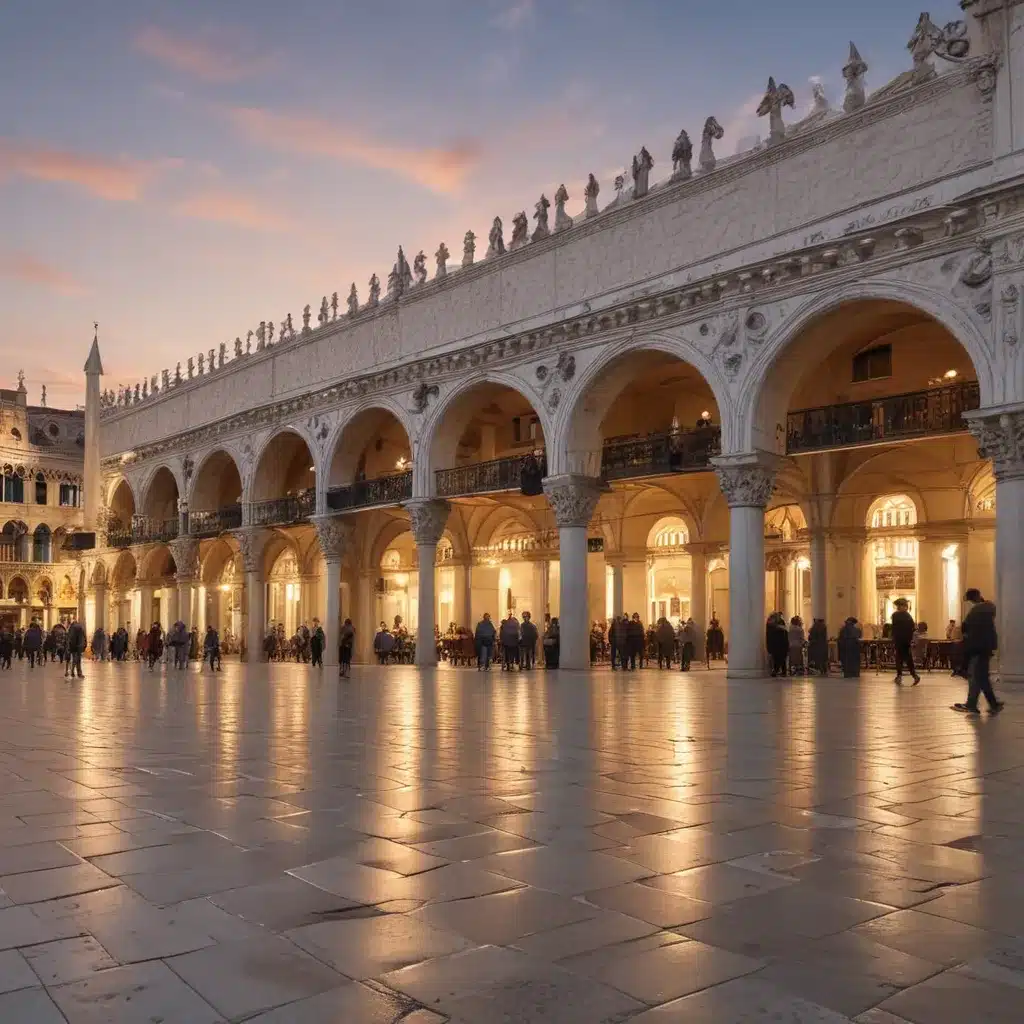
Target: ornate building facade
x,y
787,379
41,459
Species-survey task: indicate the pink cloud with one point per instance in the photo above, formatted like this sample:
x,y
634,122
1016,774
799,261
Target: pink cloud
x,y
225,206
210,58
118,180
24,267
439,169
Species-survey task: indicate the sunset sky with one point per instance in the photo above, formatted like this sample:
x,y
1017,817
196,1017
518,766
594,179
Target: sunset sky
x,y
181,170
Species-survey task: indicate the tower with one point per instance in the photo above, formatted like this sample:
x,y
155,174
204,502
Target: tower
x,y
93,372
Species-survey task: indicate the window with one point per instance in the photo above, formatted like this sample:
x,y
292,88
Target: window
x,y
872,364
40,489
894,512
54,430
14,487
69,495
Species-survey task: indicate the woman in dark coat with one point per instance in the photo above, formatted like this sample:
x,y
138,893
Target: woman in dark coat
x,y
777,642
32,643
552,644
817,647
849,648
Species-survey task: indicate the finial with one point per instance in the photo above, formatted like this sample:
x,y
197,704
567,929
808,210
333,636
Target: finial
x,y
42,400
21,380
854,71
775,98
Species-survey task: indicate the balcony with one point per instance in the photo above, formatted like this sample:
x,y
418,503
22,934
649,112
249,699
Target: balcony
x,y
680,451
382,490
295,508
215,522
917,414
483,477
143,530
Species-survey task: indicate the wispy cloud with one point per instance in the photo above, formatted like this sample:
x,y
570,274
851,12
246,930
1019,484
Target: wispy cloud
x,y
117,180
515,15
29,269
223,206
212,56
442,169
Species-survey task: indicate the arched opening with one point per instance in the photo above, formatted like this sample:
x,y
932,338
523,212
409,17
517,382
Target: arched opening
x,y
216,503
224,581
372,462
669,571
787,562
42,544
70,494
14,542
160,571
121,514
284,595
868,399
125,602
487,439
398,598
17,590
284,484
14,484
41,489
160,508
644,413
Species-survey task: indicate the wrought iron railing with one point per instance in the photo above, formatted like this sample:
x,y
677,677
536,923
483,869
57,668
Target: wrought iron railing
x,y
382,490
294,508
678,451
483,477
928,413
143,530
214,522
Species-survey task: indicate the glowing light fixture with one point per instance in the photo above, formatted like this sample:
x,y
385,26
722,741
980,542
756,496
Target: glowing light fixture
x,y
401,463
705,415
950,374
803,563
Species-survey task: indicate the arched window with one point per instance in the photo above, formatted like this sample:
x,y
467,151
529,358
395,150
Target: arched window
x,y
40,489
14,486
671,537
893,512
69,495
41,544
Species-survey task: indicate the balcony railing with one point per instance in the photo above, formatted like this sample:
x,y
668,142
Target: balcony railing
x,y
215,522
483,477
143,530
382,490
679,451
930,413
295,508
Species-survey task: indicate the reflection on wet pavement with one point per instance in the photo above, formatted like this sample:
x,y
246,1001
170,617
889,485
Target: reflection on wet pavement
x,y
271,845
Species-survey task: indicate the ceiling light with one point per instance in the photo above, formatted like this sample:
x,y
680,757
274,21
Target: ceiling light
x,y
950,374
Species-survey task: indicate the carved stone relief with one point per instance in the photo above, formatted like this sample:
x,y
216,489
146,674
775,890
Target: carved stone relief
x,y
1001,439
572,499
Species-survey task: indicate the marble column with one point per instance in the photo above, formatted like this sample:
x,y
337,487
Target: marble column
x,y
461,602
699,595
428,518
366,624
145,607
573,500
747,483
1001,438
819,575
335,536
252,542
928,585
543,570
618,585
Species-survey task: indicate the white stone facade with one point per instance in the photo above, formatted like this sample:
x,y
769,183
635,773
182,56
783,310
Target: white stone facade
x,y
902,219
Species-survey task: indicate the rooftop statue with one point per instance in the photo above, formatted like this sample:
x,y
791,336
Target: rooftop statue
x,y
682,157
261,337
334,305
496,239
590,194
949,43
820,99
775,98
562,219
238,348
419,267
374,299
325,312
307,315
520,228
642,164
441,256
248,344
352,302
468,249
540,215
854,73
712,131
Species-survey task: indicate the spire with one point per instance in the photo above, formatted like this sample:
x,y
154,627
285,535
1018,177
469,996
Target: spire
x,y
94,365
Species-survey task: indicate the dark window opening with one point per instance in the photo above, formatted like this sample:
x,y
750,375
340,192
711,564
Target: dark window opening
x,y
872,364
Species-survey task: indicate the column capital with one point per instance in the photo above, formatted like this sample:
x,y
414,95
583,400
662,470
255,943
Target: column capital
x,y
334,534
748,479
427,519
1000,437
572,498
186,557
252,542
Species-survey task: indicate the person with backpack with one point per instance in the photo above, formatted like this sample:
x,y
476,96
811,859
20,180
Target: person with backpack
x,y
980,643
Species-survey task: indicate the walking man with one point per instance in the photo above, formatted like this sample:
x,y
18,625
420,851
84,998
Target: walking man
x,y
980,643
76,647
903,629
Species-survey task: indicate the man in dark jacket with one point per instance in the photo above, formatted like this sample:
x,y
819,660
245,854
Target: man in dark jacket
x,y
76,647
484,636
33,643
980,643
903,629
528,637
635,638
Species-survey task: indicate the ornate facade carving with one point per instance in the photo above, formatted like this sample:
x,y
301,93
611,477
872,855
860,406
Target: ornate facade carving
x,y
746,485
572,499
334,534
252,542
427,519
854,72
1001,439
712,131
186,557
776,97
682,157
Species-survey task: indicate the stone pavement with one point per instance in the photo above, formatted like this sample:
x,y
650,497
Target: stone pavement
x,y
269,844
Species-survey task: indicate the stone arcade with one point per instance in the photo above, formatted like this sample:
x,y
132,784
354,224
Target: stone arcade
x,y
788,379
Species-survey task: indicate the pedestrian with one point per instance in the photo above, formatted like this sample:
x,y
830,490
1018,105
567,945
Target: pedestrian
x,y
178,641
796,646
6,647
776,638
211,649
903,630
317,639
509,638
32,643
980,643
665,636
617,641
848,645
817,648
76,648
552,644
635,637
99,644
346,642
155,644
383,643
687,644
484,637
528,642
19,643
